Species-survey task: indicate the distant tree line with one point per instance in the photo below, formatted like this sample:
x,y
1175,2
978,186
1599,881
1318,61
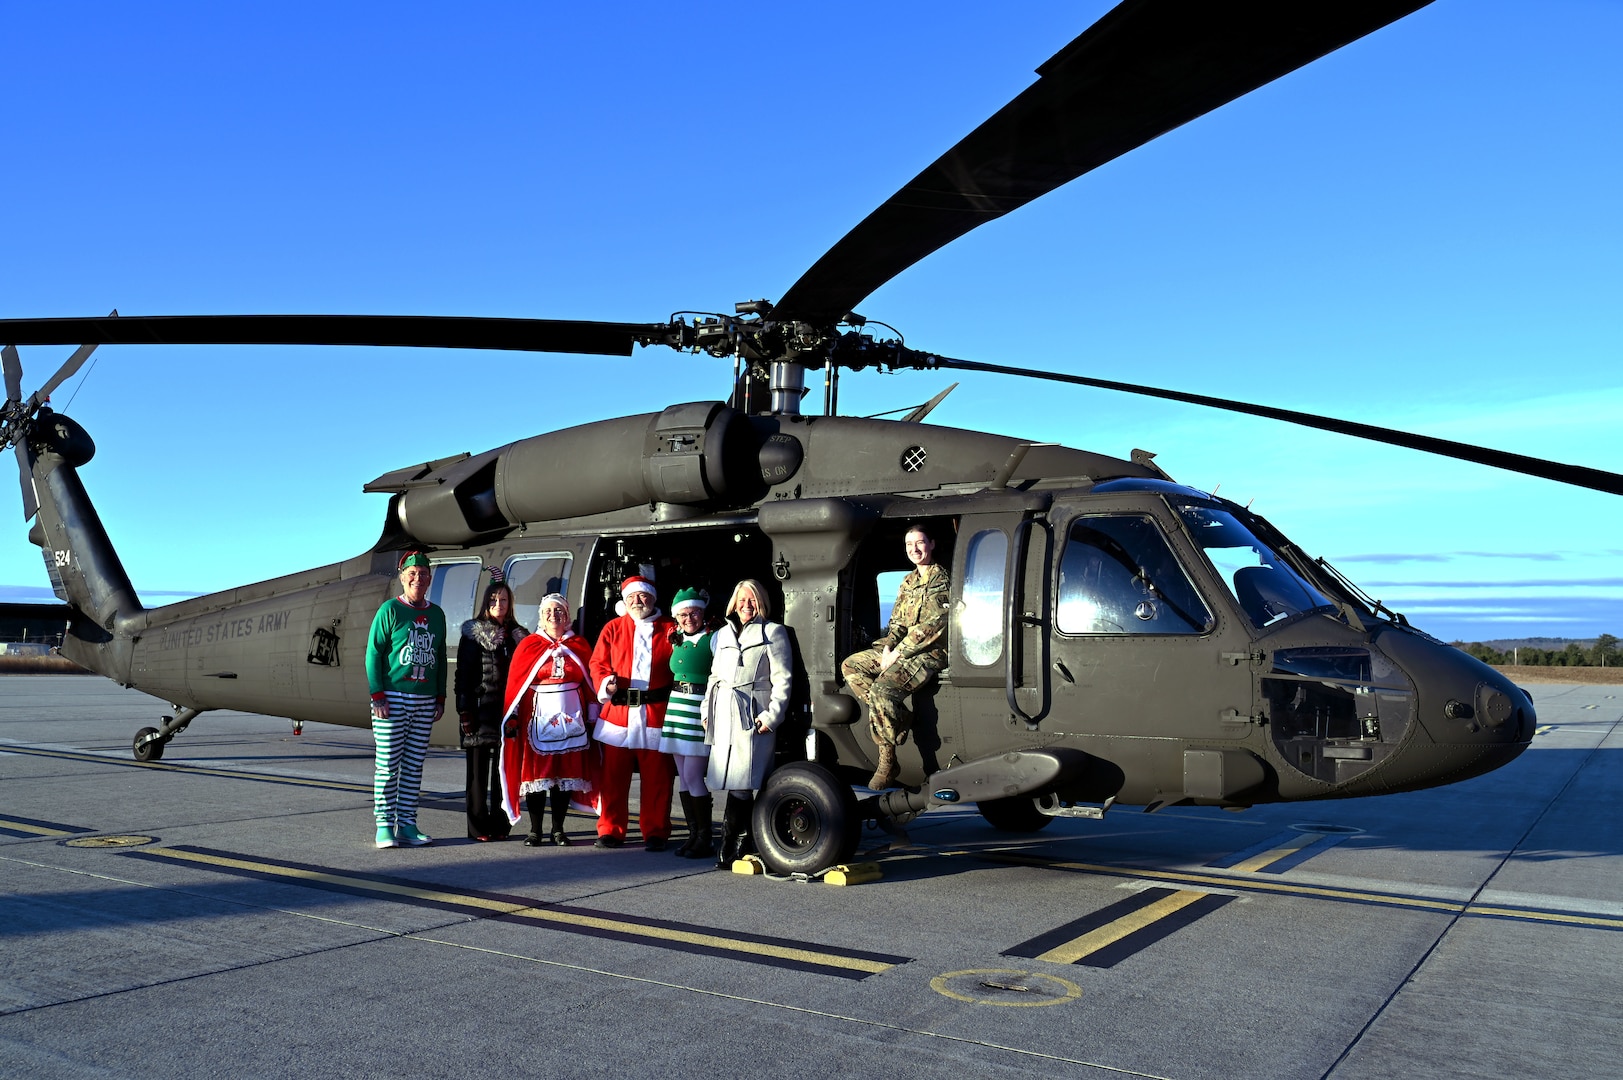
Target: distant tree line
x,y
1603,653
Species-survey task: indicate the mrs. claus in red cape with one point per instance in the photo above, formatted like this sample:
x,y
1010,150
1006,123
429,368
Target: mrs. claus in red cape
x,y
546,745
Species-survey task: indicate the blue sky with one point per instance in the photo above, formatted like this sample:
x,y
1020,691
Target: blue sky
x,y
1421,231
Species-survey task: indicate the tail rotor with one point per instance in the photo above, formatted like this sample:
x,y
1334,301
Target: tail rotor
x,y
17,416
13,417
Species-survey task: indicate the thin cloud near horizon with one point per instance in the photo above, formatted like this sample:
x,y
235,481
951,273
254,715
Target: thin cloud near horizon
x,y
1533,583
1450,556
23,594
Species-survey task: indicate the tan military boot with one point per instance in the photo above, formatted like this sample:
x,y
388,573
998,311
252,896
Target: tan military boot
x,y
885,774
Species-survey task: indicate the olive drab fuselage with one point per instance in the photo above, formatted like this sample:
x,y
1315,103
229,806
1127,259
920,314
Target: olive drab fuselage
x,y
1096,607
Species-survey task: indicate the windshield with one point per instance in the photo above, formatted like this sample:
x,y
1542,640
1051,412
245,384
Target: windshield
x,y
1263,584
1118,576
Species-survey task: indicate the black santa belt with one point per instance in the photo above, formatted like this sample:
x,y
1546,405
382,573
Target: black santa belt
x,y
632,698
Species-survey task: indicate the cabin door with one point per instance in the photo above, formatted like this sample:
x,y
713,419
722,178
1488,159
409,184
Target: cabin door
x,y
998,640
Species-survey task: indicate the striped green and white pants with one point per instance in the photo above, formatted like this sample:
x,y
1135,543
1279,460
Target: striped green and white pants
x,y
397,765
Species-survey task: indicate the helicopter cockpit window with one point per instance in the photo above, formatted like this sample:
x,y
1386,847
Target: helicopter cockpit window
x,y
453,590
1118,576
1266,587
533,576
980,619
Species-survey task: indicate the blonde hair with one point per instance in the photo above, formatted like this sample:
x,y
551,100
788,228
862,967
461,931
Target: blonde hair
x,y
762,602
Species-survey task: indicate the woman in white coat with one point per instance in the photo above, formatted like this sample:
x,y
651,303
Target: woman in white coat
x,y
746,701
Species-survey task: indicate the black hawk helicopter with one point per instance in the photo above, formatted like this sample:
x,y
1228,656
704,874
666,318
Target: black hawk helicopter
x,y
1116,637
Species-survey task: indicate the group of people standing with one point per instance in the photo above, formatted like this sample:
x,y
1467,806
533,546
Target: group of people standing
x,y
545,718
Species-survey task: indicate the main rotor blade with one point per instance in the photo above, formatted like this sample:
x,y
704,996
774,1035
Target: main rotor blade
x,y
424,331
1142,70
14,372
26,475
1577,475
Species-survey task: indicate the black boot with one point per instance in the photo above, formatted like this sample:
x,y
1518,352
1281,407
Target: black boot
x,y
729,832
701,846
560,810
746,841
687,815
535,804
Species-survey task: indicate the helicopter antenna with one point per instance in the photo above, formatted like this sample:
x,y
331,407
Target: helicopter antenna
x,y
928,407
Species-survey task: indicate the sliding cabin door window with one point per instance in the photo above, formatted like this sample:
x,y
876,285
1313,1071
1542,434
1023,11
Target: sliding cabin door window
x,y
980,614
534,575
454,590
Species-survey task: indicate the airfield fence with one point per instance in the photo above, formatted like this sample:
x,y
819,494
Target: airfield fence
x,y
40,665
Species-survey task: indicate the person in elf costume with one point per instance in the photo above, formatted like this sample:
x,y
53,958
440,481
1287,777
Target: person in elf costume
x,y
631,668
405,671
546,747
682,733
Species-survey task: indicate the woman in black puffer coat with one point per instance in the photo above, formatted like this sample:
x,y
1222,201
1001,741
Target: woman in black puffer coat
x,y
482,659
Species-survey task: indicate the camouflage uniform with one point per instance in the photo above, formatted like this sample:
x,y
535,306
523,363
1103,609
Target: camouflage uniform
x,y
918,633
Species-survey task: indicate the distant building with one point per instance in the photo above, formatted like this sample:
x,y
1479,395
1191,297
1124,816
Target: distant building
x,y
33,623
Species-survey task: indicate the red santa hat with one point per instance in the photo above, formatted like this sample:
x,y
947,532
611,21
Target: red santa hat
x,y
637,583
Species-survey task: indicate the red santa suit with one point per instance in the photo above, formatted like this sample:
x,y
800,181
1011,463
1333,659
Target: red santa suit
x,y
637,653
550,711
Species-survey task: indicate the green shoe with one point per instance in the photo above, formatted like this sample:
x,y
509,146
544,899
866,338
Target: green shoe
x,y
386,837
410,837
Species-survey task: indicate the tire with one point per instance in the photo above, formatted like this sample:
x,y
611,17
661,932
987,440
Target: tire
x,y
805,820
153,750
1019,814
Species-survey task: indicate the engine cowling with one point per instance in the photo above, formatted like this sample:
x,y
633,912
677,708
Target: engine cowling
x,y
703,453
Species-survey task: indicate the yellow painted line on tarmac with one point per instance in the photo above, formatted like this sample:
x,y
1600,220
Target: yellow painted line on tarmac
x,y
1319,892
1248,883
37,830
541,914
1112,932
1268,858
1602,921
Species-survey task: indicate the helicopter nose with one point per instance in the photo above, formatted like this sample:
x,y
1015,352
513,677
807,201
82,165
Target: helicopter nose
x,y
1476,718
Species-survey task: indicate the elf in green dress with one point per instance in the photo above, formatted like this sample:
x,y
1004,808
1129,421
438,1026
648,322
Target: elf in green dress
x,y
682,735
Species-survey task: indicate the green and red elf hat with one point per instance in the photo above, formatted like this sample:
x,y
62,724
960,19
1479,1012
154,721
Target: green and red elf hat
x,y
413,558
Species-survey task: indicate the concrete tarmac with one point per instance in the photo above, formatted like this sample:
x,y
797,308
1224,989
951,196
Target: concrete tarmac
x,y
224,912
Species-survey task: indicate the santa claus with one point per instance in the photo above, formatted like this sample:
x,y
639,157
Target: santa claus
x,y
631,668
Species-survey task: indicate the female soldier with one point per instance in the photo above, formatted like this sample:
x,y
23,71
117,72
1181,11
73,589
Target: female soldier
x,y
546,745
913,649
405,670
482,659
682,735
746,701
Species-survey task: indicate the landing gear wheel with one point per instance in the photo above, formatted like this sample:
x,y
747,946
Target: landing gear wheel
x,y
1019,814
148,750
805,820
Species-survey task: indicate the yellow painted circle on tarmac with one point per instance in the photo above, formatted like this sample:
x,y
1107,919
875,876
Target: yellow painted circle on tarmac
x,y
1005,986
108,841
